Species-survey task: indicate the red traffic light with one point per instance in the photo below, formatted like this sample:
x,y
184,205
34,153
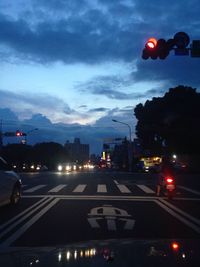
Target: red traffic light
x,y
151,43
18,133
175,246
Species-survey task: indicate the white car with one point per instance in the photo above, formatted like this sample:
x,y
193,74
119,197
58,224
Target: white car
x,y
10,184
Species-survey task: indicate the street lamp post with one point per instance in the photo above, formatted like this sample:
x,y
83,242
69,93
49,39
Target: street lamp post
x,y
129,144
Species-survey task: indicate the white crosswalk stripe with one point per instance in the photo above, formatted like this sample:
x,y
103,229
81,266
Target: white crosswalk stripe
x,y
80,188
35,188
145,189
101,188
123,188
57,188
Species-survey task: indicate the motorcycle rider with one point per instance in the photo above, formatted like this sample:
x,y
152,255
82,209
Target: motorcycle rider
x,y
166,169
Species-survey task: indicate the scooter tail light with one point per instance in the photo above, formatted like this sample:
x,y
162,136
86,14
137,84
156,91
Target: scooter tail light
x,y
169,180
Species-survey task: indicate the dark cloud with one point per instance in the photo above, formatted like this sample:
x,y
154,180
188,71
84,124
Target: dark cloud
x,y
69,5
39,101
38,120
82,31
173,71
78,38
86,33
114,87
7,114
83,106
98,109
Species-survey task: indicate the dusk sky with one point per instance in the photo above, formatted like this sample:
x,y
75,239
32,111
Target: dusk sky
x,y
79,61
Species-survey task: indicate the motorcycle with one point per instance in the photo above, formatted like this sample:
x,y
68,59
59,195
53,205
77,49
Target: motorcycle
x,y
169,187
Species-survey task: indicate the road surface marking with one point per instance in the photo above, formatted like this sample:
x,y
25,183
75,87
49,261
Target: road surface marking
x,y
24,217
35,188
24,185
22,213
106,197
101,188
115,181
129,224
57,188
112,215
180,211
80,188
189,190
27,225
146,189
177,216
111,224
123,189
96,197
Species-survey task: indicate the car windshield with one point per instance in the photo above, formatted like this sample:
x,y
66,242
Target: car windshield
x,y
100,126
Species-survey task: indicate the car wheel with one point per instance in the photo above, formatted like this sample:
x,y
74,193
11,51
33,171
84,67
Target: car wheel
x,y
16,195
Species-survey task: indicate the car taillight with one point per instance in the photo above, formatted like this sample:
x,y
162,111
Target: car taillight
x,y
169,180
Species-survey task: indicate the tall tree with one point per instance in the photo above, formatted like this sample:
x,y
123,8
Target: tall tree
x,y
171,122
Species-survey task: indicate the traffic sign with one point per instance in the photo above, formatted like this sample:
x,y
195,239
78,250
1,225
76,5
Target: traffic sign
x,y
195,48
181,40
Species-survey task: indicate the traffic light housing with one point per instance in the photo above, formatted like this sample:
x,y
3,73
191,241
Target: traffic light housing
x,y
156,49
19,134
179,43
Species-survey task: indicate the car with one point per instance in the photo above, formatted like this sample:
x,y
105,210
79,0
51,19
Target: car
x,y
10,184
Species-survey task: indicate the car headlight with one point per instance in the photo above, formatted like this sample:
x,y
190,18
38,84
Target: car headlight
x,y
68,168
60,168
74,167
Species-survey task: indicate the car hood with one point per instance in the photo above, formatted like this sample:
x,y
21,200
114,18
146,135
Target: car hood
x,y
119,253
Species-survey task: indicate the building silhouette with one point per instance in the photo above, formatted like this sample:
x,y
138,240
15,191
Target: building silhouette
x,y
77,152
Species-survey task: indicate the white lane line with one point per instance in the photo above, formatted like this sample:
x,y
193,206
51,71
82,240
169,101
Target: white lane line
x,y
145,189
123,189
23,218
180,211
177,216
27,225
101,188
115,181
22,213
189,190
80,188
35,188
24,185
57,188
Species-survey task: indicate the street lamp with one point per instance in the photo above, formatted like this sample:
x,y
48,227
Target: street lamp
x,y
129,144
130,134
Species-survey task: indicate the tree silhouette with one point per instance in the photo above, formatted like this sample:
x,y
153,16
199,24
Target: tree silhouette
x,y
171,122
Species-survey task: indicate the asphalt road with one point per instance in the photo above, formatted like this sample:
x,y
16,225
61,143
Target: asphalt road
x,y
60,209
